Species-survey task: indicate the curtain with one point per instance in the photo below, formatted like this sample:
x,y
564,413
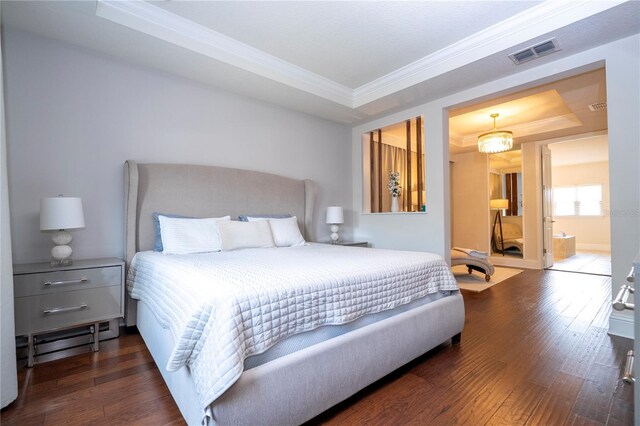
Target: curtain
x,y
394,159
8,375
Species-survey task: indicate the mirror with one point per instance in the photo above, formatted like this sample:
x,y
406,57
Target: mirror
x,y
506,203
505,180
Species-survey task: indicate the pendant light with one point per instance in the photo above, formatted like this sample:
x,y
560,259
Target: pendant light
x,y
495,141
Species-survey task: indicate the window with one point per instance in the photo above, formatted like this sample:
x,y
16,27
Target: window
x,y
582,200
393,156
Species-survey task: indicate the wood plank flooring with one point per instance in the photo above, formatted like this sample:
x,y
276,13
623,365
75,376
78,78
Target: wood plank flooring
x,y
534,351
585,261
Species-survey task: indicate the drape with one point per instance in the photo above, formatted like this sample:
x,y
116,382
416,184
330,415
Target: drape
x,y
394,159
8,375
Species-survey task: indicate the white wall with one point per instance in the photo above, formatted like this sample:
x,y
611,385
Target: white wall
x,y
431,231
8,375
591,232
532,206
471,219
623,104
419,231
74,117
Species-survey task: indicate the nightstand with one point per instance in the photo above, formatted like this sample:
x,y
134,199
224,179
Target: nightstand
x,y
50,299
348,243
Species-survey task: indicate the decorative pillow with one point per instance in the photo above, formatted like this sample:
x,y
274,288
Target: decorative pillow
x,y
156,226
246,217
239,235
285,231
185,236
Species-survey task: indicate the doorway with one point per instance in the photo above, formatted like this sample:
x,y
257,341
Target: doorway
x,y
580,205
573,108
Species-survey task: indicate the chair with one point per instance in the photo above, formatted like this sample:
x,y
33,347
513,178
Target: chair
x,y
461,257
511,237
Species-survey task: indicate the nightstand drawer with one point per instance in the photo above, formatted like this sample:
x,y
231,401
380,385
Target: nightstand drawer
x,y
63,281
35,314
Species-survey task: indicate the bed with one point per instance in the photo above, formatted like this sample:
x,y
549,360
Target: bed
x,y
306,365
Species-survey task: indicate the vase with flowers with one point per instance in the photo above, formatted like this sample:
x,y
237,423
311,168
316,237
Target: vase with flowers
x,y
395,189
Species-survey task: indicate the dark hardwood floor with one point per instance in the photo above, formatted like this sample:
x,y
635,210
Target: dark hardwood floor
x,y
534,351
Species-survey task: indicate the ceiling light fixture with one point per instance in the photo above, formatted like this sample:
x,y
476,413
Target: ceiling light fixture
x,y
495,141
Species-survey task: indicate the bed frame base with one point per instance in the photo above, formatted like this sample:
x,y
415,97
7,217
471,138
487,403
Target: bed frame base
x,y
297,387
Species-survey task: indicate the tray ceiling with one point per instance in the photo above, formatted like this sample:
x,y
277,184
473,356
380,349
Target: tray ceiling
x,y
550,111
343,61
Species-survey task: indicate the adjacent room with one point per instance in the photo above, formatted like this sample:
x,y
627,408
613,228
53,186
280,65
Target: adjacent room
x,y
319,212
581,205
498,198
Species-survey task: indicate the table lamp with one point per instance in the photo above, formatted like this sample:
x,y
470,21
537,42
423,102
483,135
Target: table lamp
x,y
61,214
335,217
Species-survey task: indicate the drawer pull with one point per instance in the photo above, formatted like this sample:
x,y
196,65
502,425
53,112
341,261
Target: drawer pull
x,y
50,283
60,310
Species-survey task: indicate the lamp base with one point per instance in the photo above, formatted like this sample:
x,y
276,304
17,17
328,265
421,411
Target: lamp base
x,y
334,234
61,252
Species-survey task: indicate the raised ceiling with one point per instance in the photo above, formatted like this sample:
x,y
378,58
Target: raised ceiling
x,y
351,43
551,111
343,61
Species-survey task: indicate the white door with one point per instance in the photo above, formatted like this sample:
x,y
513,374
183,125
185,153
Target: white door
x,y
547,209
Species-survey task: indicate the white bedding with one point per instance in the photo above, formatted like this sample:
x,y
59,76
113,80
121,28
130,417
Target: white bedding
x,y
223,307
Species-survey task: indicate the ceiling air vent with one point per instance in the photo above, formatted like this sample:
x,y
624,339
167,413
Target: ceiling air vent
x,y
536,51
598,106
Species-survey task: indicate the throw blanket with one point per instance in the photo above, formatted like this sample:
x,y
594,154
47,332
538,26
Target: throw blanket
x,y
223,307
473,253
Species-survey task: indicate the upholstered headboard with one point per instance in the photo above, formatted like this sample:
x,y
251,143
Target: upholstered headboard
x,y
205,191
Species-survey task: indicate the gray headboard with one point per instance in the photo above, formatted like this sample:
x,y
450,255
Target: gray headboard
x,y
205,191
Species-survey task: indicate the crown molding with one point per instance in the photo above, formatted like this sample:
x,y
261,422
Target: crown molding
x,y
534,22
154,21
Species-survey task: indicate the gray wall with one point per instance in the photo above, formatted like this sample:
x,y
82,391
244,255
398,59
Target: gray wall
x,y
74,116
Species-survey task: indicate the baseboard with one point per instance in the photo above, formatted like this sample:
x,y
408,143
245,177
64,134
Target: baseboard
x,y
595,247
513,262
621,325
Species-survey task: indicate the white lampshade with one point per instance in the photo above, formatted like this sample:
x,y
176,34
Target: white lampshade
x,y
335,215
61,213
499,204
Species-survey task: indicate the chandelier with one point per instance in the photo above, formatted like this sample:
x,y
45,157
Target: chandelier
x,y
495,141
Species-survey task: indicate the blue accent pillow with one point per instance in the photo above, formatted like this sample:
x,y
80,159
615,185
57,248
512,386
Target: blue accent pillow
x,y
156,225
243,217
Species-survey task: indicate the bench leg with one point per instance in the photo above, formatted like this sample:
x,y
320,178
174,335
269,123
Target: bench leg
x,y
479,269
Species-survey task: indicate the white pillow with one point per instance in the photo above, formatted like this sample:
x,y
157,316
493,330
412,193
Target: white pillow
x,y
187,235
239,235
285,231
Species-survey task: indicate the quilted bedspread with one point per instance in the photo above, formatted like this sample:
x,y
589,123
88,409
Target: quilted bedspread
x,y
223,307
